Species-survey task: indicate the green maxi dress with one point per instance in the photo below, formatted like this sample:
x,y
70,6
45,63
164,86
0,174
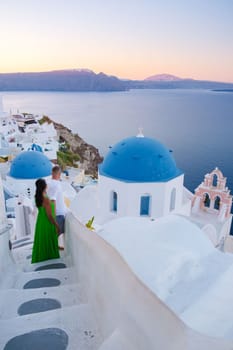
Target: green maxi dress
x,y
45,244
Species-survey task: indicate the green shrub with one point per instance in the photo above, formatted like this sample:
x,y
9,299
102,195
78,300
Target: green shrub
x,y
67,159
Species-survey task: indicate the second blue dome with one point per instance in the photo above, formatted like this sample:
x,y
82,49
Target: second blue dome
x,y
30,165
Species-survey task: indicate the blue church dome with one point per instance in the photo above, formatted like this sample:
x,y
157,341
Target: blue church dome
x,y
30,165
139,159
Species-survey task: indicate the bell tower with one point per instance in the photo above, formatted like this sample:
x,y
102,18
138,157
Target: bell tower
x,y
212,196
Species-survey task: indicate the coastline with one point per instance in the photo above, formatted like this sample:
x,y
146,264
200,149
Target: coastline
x,y
77,150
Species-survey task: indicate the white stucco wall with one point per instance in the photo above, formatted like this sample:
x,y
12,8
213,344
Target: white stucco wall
x,y
129,195
2,205
6,260
210,231
20,186
95,200
225,229
129,315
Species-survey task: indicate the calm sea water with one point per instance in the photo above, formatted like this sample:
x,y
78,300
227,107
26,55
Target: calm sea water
x,y
196,124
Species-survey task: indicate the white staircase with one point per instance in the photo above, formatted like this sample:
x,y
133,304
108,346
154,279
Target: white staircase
x,y
72,314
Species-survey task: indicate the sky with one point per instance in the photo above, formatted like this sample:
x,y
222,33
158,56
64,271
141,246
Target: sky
x,y
127,38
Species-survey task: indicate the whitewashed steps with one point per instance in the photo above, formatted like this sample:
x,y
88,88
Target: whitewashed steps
x,y
77,321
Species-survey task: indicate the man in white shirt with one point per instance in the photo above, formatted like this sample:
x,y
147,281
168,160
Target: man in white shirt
x,y
55,194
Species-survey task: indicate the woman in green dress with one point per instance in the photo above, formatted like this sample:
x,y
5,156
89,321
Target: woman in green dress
x,y
46,230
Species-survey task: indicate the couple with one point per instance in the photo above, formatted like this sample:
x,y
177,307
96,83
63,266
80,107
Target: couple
x,y
50,218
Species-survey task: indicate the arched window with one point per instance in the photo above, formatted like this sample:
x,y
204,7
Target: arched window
x,y
215,180
114,202
145,205
206,200
173,199
217,202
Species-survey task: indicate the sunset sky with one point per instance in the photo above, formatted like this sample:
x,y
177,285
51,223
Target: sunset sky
x,y
127,38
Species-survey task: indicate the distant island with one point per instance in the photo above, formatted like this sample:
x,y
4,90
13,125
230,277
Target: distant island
x,y
223,90
163,77
86,80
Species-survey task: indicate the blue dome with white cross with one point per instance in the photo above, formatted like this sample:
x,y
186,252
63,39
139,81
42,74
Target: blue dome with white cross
x,y
139,159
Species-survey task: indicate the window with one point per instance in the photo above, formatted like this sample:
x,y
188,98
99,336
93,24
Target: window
x,y
217,203
145,205
206,200
173,199
114,202
215,180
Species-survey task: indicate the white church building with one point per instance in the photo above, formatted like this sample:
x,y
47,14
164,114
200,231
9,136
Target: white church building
x,y
139,178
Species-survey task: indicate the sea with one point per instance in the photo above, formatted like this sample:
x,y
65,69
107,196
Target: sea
x,y
197,125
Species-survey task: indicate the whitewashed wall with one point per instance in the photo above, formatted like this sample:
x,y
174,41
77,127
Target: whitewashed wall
x,y
7,265
21,186
129,195
129,315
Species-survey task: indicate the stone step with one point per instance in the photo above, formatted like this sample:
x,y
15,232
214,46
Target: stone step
x,y
39,299
19,279
22,243
22,256
44,265
17,242
75,322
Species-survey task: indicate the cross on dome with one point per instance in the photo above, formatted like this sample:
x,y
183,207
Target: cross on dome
x,y
140,132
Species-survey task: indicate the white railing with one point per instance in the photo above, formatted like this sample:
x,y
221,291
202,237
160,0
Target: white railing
x,y
129,315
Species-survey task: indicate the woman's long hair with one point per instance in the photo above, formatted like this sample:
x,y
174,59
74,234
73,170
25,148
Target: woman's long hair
x,y
40,187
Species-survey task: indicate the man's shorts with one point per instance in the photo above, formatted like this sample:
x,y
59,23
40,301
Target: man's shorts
x,y
60,219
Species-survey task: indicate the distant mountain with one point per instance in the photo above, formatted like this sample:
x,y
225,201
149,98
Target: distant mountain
x,y
163,77
178,83
63,80
87,80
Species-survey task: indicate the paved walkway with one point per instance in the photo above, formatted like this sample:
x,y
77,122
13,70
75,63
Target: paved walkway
x,y
43,307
